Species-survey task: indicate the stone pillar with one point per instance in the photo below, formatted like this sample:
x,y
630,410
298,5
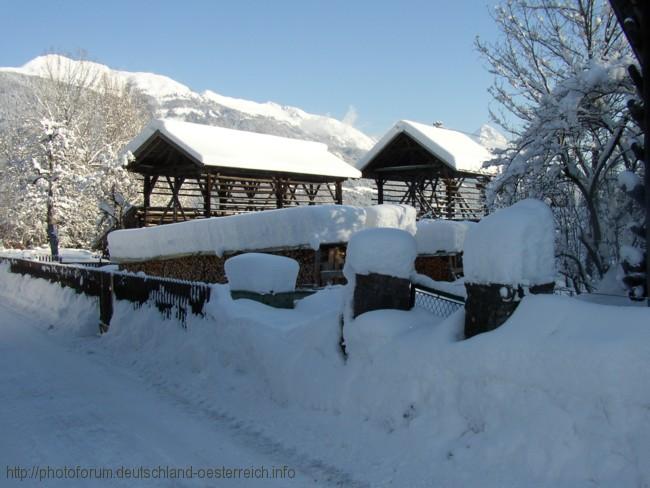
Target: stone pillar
x,y
378,267
507,255
489,306
376,291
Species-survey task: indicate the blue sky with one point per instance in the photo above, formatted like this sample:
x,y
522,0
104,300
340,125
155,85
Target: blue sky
x,y
389,60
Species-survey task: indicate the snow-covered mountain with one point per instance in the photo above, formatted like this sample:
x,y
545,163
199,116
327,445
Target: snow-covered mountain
x,y
168,98
491,138
171,99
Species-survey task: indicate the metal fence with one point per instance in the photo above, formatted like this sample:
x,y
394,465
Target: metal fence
x,y
173,298
437,302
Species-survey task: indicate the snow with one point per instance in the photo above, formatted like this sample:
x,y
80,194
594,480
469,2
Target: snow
x,y
632,255
317,126
262,273
67,408
171,99
456,149
230,148
556,397
441,236
384,251
307,226
60,67
513,246
491,138
66,254
48,302
456,287
629,180
373,331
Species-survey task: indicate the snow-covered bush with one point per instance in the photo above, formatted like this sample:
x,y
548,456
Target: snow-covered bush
x,y
262,273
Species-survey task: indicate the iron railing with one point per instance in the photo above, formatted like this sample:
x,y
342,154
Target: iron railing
x,y
437,302
174,297
169,296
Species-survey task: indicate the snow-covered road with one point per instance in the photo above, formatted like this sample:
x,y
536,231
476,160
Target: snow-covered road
x,y
64,407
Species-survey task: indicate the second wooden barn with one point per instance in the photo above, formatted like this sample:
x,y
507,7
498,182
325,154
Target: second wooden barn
x,y
438,171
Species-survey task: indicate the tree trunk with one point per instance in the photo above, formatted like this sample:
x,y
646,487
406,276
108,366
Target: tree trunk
x,y
52,233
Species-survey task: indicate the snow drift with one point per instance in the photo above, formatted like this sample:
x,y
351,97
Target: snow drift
x,y
555,397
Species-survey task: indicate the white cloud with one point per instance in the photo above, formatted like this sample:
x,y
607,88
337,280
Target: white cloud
x,y
350,116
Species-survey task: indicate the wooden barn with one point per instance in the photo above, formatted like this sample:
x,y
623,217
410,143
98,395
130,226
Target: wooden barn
x,y
193,171
436,170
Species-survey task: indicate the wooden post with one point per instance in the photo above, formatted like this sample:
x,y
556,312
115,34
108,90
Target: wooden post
x,y
146,199
207,197
175,199
450,193
339,193
318,281
412,198
279,192
105,301
380,190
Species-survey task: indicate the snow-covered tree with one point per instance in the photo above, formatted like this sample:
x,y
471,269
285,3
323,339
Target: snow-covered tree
x,y
63,173
561,86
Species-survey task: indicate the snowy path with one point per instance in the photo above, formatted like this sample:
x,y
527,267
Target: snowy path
x,y
60,407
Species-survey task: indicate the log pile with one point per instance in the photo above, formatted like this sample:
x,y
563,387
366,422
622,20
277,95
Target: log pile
x,y
210,268
439,268
317,268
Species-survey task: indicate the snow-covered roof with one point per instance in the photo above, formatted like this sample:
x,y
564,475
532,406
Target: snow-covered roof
x,y
229,148
456,149
307,226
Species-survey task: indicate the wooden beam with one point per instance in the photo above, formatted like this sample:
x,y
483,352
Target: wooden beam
x,y
410,167
339,193
207,197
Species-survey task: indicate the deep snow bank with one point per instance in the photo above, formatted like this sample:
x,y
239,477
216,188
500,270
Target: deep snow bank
x,y
61,307
555,397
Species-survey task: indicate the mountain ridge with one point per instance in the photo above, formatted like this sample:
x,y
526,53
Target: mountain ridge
x,y
171,99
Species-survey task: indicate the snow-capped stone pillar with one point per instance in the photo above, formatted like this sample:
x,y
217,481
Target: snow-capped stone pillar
x,y
507,255
378,267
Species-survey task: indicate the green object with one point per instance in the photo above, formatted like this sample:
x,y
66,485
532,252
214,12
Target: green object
x,y
276,300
